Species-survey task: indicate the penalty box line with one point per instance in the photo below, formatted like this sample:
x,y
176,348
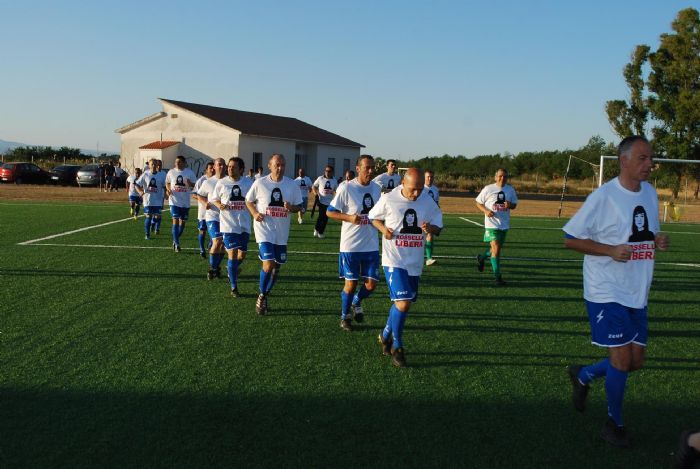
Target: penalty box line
x,y
66,233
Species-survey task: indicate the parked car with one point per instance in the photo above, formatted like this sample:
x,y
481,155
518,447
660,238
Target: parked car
x,y
23,173
65,175
89,175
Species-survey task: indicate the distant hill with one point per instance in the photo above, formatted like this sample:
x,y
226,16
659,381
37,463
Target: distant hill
x,y
6,146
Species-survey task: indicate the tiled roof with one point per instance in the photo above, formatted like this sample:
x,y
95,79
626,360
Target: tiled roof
x,y
266,125
159,145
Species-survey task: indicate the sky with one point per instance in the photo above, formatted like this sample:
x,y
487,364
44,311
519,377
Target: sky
x,y
407,79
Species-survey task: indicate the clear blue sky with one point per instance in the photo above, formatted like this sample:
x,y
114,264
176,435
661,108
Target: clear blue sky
x,y
405,78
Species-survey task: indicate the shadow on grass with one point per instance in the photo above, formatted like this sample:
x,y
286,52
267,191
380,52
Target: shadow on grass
x,y
53,428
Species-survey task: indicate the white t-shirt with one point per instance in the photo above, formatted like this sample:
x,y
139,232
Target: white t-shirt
x,y
131,181
433,192
325,188
388,182
201,206
304,184
269,197
354,198
180,193
231,193
405,217
153,185
493,198
614,215
207,190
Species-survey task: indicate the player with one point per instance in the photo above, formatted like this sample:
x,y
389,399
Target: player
x,y
304,183
135,200
389,180
178,184
234,218
216,253
324,187
151,186
359,247
617,229
432,190
403,216
202,208
496,201
270,200
155,226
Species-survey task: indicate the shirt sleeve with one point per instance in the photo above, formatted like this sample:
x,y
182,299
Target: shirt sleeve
x,y
582,224
216,193
338,203
378,212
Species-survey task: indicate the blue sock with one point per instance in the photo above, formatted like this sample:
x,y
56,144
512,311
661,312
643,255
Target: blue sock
x,y
219,258
361,295
200,238
386,333
591,372
398,319
174,232
615,381
147,225
345,301
265,281
232,266
212,261
181,230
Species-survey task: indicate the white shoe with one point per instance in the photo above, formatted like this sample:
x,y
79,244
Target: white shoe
x,y
315,234
321,236
300,221
430,261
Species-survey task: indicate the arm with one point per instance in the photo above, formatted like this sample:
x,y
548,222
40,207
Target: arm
x,y
257,216
379,225
431,229
353,218
619,253
482,208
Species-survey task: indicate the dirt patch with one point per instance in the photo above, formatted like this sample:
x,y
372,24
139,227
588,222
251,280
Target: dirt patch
x,y
540,205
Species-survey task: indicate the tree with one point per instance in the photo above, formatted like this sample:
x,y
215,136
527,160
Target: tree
x,y
669,94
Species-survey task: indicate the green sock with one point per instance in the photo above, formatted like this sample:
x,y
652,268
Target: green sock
x,y
496,266
487,254
429,249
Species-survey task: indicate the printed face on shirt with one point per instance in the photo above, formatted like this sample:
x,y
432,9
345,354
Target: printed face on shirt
x,y
410,222
367,203
179,181
276,198
640,226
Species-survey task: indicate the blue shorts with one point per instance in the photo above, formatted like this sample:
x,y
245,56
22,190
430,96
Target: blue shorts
x,y
213,229
236,241
402,287
272,252
304,203
614,325
202,225
353,265
183,213
136,199
152,210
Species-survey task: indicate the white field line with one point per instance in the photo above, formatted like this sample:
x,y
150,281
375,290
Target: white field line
x,y
471,221
560,229
32,241
324,253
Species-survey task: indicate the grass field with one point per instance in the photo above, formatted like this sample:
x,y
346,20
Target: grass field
x,y
115,351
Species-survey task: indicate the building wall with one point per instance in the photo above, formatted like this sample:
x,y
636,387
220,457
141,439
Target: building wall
x,y
267,146
340,154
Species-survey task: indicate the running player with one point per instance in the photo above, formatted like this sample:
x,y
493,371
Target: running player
x,y
135,200
389,180
432,190
304,183
496,201
270,200
324,187
617,229
234,218
403,216
216,253
202,209
151,186
178,183
359,247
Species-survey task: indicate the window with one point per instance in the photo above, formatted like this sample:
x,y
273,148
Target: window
x,y
257,161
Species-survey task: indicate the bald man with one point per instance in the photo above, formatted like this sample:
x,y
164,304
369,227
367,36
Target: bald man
x,y
404,217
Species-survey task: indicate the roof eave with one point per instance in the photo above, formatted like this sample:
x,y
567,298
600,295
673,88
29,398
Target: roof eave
x,y
139,123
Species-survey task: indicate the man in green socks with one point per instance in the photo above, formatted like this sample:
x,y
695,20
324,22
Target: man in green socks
x,y
496,201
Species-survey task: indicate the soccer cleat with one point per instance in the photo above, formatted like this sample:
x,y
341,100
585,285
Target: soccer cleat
x,y
234,293
686,457
480,262
157,232
178,248
357,313
261,305
321,236
346,325
499,282
579,391
217,272
135,217
397,357
315,234
202,254
147,238
430,261
210,274
614,434
386,344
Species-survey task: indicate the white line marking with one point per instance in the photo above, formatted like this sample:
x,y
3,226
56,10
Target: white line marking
x,y
470,221
32,241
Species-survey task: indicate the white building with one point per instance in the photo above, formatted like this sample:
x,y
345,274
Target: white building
x,y
201,133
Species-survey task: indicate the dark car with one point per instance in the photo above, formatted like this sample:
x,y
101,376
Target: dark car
x,y
65,175
89,175
23,173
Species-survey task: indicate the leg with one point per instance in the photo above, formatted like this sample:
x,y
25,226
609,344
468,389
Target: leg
x,y
429,249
